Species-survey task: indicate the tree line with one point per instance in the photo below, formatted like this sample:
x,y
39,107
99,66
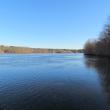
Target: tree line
x,y
25,50
100,46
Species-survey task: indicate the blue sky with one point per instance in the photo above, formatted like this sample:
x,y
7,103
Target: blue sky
x,y
51,23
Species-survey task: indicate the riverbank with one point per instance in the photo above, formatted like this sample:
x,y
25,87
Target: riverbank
x,y
95,55
27,50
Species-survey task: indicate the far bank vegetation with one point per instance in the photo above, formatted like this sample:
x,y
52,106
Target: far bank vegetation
x,y
26,50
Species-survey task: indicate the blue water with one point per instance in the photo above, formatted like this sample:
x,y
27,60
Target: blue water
x,y
54,82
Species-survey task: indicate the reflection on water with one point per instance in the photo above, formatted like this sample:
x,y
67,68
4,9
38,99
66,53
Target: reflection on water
x,y
54,82
102,66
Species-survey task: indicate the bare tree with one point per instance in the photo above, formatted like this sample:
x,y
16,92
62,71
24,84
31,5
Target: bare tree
x,y
101,46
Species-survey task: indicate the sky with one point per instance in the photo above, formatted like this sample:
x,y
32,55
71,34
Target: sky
x,y
51,23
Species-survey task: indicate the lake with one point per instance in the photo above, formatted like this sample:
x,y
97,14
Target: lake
x,y
54,82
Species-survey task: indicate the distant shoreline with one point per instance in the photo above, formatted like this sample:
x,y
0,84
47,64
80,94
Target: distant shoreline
x,y
27,50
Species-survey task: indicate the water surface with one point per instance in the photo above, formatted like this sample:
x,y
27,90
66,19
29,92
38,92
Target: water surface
x,y
54,82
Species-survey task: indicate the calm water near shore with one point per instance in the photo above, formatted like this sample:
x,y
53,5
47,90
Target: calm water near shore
x,y
54,82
